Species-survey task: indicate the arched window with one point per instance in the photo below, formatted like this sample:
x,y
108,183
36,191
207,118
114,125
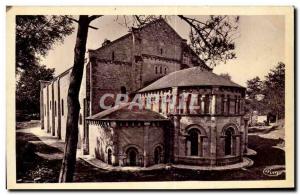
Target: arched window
x,y
192,143
109,156
157,155
132,156
161,51
165,70
156,70
228,141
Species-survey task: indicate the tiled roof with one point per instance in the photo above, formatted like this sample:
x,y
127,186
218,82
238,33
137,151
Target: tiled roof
x,y
195,76
123,112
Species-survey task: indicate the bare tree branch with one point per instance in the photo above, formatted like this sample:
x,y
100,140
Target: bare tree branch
x,y
93,17
195,28
74,20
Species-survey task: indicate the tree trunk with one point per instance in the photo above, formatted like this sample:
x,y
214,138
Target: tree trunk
x,y
69,160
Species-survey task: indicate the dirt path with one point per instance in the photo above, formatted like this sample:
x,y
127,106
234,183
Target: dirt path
x,y
39,159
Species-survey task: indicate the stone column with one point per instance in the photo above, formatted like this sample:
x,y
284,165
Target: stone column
x,y
202,101
48,111
176,122
114,160
213,104
236,105
146,143
58,110
53,109
42,111
246,134
213,141
175,102
184,102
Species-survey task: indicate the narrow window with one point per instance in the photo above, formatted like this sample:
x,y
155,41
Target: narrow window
x,y
80,119
165,70
62,107
156,70
228,142
160,70
157,155
206,104
123,92
161,51
113,56
50,104
109,157
193,144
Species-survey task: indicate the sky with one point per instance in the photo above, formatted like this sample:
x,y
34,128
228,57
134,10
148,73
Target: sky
x,y
259,47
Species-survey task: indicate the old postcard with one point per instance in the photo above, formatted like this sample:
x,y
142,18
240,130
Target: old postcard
x,y
150,97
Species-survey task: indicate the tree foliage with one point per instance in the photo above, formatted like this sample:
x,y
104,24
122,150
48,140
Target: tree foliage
x,y
225,76
268,96
213,39
28,88
274,90
35,36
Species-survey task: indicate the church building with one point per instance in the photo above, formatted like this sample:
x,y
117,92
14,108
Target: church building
x,y
186,113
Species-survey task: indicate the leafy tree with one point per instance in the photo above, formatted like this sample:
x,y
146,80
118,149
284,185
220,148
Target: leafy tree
x,y
35,36
213,39
274,90
28,88
225,76
254,87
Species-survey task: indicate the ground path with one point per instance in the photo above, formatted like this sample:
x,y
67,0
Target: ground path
x,y
39,158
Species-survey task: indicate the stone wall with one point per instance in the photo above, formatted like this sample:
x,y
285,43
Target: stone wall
x,y
104,136
100,140
155,68
143,138
118,50
160,39
64,86
108,77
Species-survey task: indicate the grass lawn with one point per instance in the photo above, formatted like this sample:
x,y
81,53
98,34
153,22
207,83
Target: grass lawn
x,y
39,161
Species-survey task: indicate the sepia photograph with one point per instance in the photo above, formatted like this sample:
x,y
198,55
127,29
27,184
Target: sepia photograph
x,y
170,97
